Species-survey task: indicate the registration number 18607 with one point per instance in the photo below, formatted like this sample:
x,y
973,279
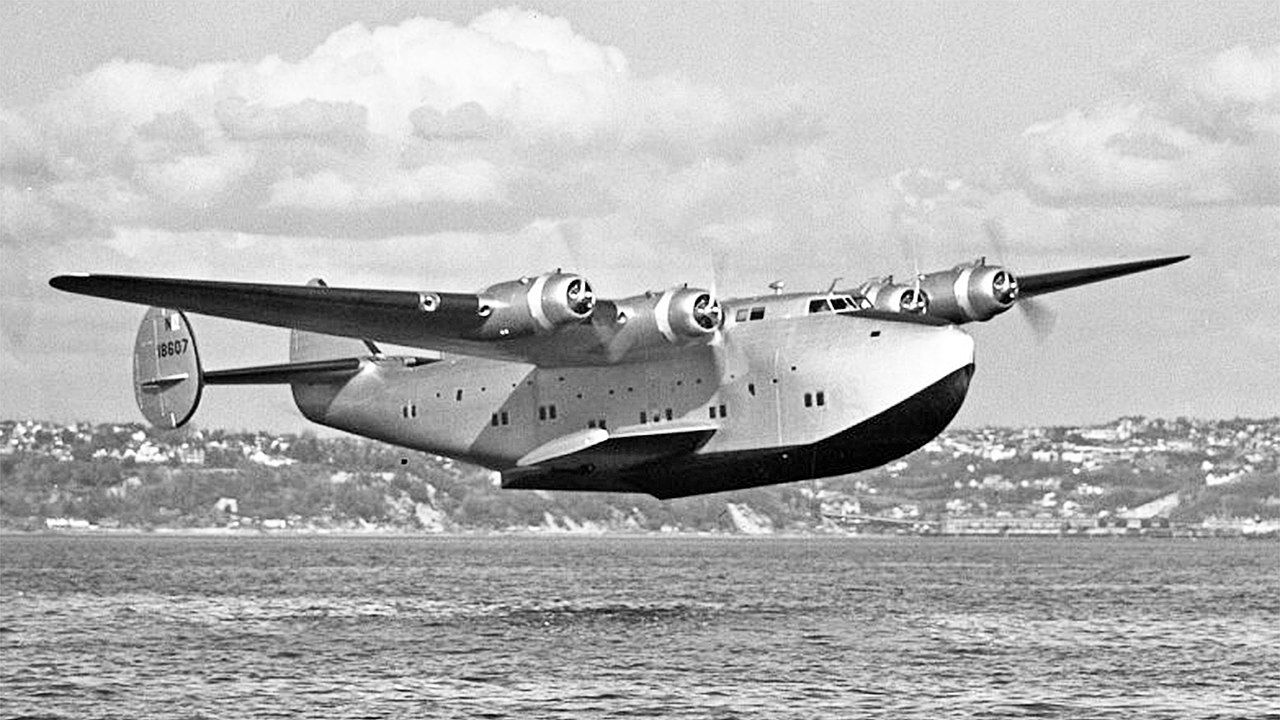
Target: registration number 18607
x,y
171,348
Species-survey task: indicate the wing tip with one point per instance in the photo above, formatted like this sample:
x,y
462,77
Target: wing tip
x,y
67,281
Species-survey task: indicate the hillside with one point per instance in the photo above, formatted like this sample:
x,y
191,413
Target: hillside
x,y
1219,474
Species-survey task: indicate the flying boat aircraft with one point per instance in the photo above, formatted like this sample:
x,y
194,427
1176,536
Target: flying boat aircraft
x,y
670,393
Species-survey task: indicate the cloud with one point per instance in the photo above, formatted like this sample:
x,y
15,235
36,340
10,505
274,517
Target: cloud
x,y
193,180
423,127
468,121
473,181
308,119
1200,132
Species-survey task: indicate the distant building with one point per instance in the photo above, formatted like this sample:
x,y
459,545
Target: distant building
x,y
1008,526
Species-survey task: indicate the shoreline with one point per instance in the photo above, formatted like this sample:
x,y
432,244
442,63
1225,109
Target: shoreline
x,y
541,533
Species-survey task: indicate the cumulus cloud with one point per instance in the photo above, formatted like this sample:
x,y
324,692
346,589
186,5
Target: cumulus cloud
x,y
310,119
419,127
474,181
1200,132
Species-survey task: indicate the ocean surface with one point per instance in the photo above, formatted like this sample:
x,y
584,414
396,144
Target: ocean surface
x,y
162,626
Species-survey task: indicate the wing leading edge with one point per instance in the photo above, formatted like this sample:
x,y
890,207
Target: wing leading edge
x,y
436,321
1043,283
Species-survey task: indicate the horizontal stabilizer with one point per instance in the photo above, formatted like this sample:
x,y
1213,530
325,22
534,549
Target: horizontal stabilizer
x,y
313,371
163,382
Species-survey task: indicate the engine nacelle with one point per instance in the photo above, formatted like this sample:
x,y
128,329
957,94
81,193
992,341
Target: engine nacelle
x,y
687,314
533,305
970,292
653,323
884,294
966,293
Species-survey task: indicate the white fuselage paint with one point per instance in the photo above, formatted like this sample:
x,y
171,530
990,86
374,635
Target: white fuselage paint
x,y
861,367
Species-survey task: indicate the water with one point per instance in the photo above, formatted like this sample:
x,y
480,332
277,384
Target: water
x,y
592,627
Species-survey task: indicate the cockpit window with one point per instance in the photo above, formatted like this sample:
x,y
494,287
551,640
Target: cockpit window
x,y
757,312
836,303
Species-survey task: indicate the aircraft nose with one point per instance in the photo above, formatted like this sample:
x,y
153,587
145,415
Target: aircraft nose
x,y
955,347
936,373
937,352
951,368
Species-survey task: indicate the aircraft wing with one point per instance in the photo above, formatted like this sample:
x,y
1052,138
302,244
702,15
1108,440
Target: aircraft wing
x,y
1043,283
448,322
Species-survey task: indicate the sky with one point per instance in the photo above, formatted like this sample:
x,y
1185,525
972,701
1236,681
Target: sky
x,y
453,145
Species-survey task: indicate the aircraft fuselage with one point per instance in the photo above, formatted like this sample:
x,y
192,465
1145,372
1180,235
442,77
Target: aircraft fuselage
x,y
790,395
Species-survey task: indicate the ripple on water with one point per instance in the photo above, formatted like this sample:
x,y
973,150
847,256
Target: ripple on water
x,y
671,627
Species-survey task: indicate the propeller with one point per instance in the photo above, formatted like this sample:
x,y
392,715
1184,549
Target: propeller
x,y
1039,317
580,296
730,362
707,312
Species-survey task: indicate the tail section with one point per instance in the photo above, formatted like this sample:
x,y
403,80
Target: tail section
x,y
167,378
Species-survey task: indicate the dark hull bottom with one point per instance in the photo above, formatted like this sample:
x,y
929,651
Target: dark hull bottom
x,y
887,436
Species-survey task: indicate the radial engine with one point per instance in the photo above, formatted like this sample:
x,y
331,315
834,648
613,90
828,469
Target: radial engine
x,y
968,292
533,305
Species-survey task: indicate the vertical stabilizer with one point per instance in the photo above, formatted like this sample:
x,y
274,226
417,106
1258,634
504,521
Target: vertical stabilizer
x,y
166,368
308,346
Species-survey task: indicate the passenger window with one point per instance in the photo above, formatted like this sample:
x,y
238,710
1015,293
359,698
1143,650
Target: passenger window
x,y
757,313
818,305
741,315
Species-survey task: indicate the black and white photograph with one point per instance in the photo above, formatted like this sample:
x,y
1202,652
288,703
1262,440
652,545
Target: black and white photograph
x,y
674,359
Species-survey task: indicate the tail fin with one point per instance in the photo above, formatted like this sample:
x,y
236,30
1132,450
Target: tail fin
x,y
308,346
166,368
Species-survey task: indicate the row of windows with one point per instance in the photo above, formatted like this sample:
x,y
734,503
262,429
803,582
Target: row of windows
x,y
550,412
656,417
746,314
